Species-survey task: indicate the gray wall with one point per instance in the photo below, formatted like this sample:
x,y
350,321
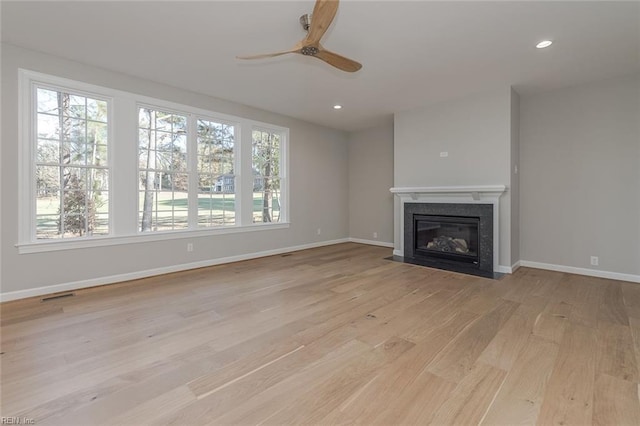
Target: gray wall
x,y
476,132
370,177
580,176
318,194
515,177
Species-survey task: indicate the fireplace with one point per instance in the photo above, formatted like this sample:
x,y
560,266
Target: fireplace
x,y
452,236
446,237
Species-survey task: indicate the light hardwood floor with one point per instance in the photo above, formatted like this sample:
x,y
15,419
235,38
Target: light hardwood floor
x,y
334,335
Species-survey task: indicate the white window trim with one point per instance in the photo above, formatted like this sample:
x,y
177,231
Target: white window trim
x,y
125,233
28,80
103,241
284,164
192,153
193,115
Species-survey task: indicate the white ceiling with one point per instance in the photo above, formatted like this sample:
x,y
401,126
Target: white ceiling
x,y
414,53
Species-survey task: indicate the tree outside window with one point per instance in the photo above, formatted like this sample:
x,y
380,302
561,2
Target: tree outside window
x,y
216,178
71,167
266,176
162,162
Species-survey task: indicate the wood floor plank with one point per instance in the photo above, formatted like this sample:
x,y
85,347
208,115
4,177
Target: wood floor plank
x,y
455,361
59,407
314,404
634,326
416,404
158,379
470,400
520,398
154,409
438,310
552,321
390,387
331,335
568,399
526,283
425,315
485,300
298,368
615,402
631,299
277,380
276,398
616,356
545,283
503,350
209,383
612,308
587,300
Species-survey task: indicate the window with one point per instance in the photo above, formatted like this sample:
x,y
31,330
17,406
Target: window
x,y
164,179
102,167
71,165
216,178
266,176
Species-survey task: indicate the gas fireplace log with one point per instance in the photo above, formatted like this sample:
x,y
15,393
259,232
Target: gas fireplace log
x,y
449,244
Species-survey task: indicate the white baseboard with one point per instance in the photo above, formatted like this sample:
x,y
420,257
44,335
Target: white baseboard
x,y
582,271
504,269
76,285
398,253
371,242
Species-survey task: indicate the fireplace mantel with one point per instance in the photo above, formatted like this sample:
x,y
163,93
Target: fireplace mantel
x,y
488,194
475,191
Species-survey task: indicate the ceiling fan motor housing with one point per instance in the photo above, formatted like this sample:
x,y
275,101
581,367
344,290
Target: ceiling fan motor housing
x,y
305,21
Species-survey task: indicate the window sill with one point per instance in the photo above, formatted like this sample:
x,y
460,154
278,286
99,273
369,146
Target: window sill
x,y
71,244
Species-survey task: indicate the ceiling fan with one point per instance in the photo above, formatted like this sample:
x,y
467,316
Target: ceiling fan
x,y
316,25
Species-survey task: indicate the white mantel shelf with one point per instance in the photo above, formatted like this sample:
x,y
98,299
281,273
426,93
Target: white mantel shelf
x,y
474,190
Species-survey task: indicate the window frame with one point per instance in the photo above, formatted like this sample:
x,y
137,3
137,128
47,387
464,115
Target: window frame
x,y
29,82
122,129
188,172
283,167
193,153
193,115
60,165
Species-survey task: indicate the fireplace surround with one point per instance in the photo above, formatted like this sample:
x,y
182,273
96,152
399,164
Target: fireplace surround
x,y
453,236
489,195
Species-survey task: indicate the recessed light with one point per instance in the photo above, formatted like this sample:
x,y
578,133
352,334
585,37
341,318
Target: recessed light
x,y
337,107
544,43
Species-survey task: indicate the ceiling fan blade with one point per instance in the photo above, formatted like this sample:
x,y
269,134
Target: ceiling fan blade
x,y
323,13
268,55
338,61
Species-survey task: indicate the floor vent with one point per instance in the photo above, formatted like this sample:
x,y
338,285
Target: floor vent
x,y
57,296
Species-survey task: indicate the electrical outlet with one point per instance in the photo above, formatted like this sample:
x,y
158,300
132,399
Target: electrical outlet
x,y
319,231
375,235
189,247
594,260
444,154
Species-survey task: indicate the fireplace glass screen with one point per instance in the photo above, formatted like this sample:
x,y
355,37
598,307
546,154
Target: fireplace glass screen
x,y
447,237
